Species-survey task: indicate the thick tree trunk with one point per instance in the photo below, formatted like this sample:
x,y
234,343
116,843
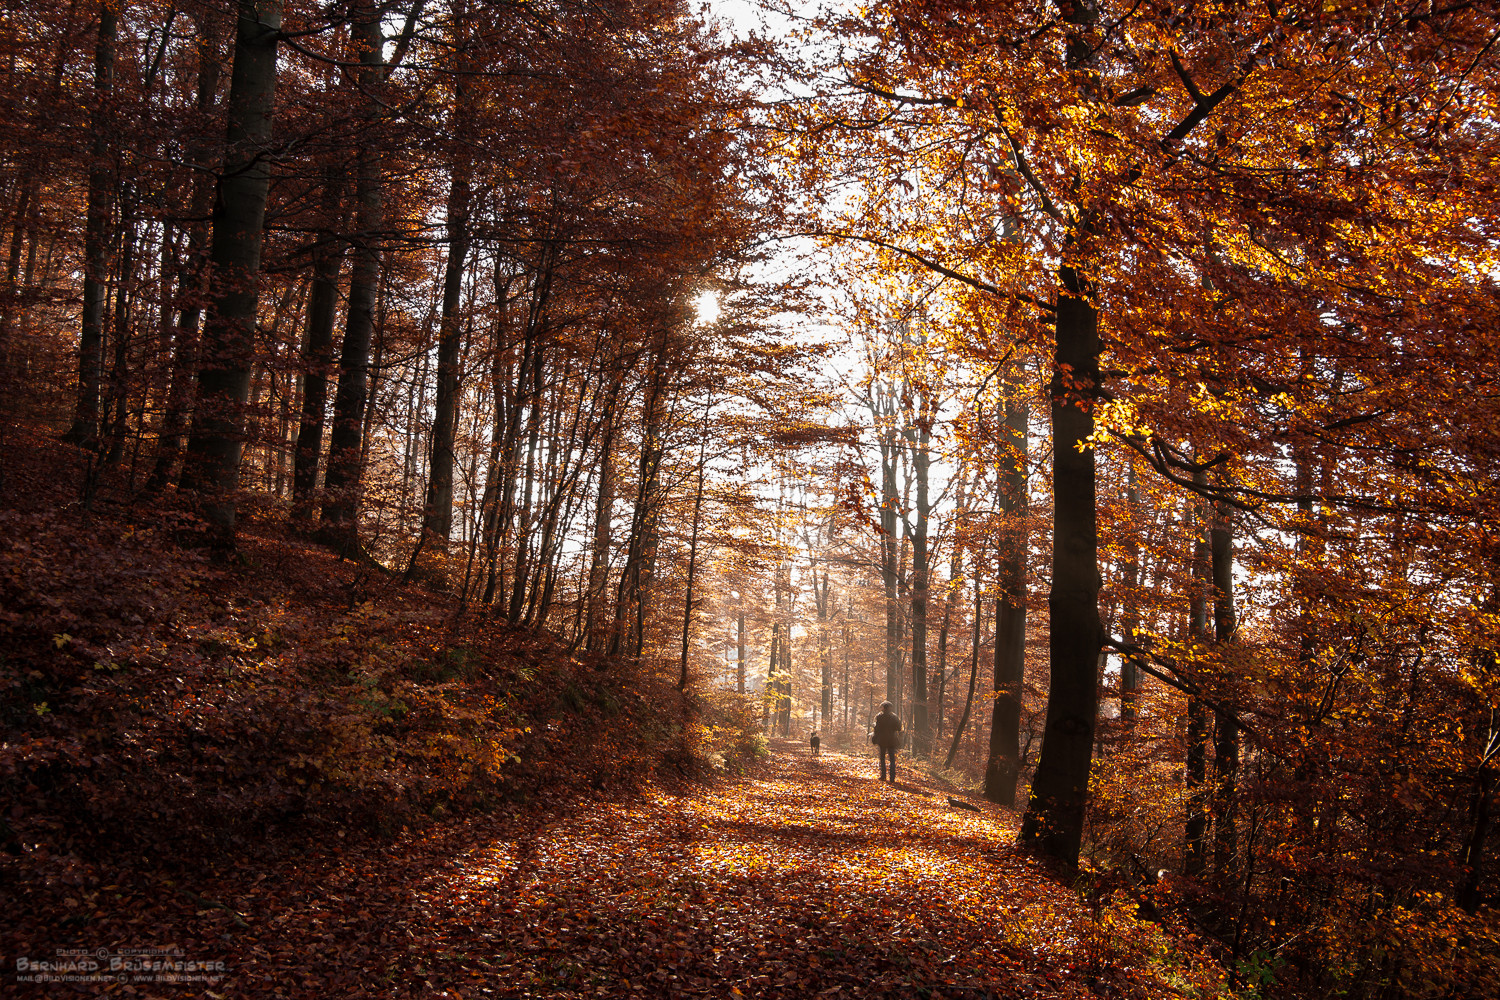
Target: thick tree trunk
x,y
1004,765
212,465
1471,861
1053,825
86,413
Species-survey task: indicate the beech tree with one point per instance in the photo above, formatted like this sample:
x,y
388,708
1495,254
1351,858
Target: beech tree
x,y
212,464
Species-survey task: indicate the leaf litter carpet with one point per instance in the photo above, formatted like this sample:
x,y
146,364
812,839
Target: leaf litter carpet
x,y
809,879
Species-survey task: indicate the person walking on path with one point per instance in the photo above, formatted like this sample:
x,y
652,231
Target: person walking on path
x,y
887,736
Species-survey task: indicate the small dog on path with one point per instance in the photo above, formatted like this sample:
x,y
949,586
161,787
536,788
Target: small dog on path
x,y
815,741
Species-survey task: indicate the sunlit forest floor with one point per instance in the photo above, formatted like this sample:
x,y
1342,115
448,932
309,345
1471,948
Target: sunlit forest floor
x,y
807,878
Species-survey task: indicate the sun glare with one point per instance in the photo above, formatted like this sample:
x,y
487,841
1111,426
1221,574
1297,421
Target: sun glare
x,y
708,307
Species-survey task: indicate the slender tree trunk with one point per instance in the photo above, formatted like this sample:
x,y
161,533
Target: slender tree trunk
x,y
212,464
844,687
921,458
346,443
1226,722
494,484
12,291
317,346
631,597
825,655
119,376
1130,618
599,558
739,670
821,584
526,526
437,521
86,414
963,720
687,610
1196,854
773,684
1004,765
883,410
955,568
183,386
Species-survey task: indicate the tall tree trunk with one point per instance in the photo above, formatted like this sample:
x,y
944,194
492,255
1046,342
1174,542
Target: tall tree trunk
x,y
212,464
1226,722
825,652
1196,852
528,517
317,346
1471,858
963,720
772,697
1004,765
883,410
821,584
437,520
495,480
183,385
86,413
739,669
955,568
630,596
346,443
1053,824
921,459
599,557
119,375
687,610
1130,615
844,715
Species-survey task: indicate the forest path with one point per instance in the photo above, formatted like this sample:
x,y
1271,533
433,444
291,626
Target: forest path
x,y
808,878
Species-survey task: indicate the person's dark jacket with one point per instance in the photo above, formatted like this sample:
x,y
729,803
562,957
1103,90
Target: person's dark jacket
x,y
887,730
